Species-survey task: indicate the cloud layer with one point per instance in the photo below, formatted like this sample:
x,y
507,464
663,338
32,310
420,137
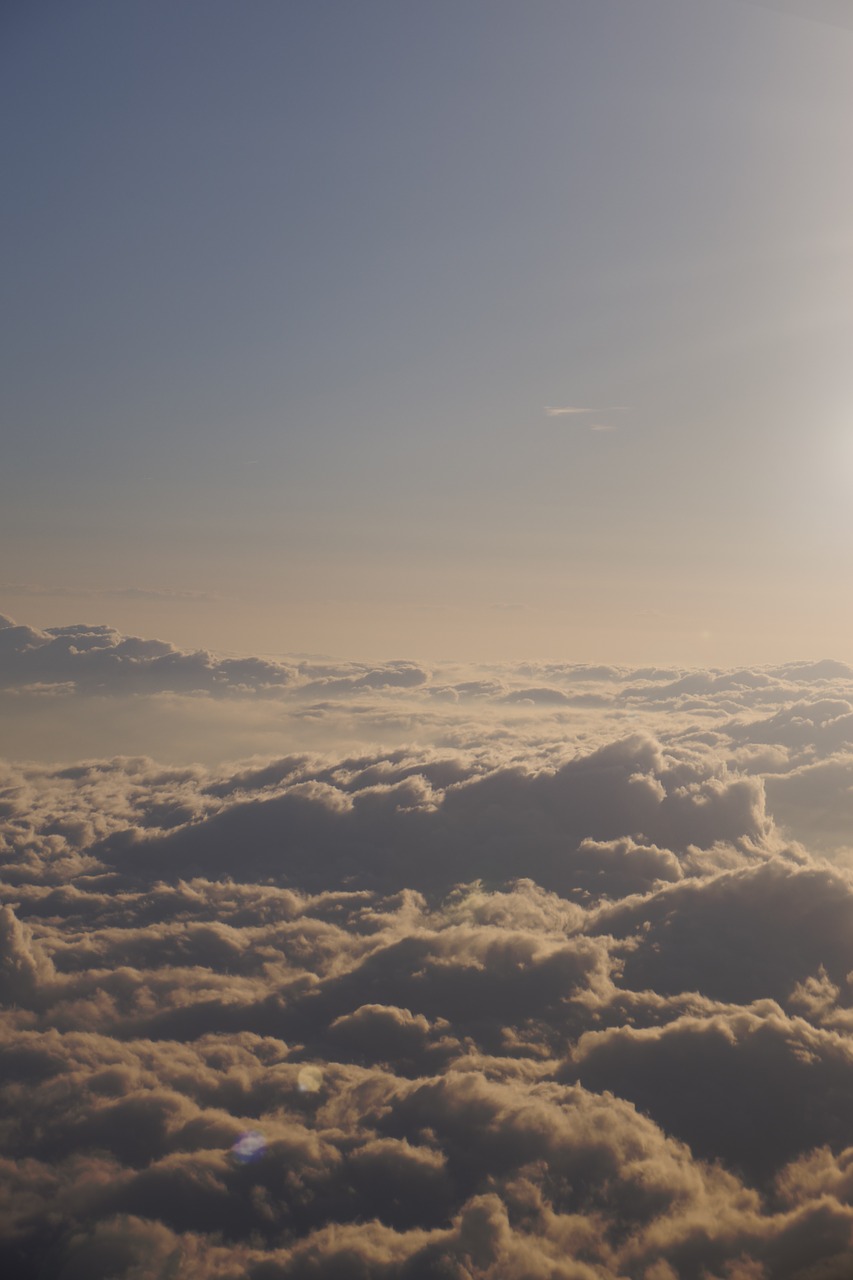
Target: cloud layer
x,y
560,989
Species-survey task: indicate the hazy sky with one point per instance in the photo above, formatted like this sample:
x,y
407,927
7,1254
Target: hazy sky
x,y
291,288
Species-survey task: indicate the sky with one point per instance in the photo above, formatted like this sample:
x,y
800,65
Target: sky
x,y
295,290
426,687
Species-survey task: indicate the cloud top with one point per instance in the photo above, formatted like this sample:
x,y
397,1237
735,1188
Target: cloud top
x,y
570,1002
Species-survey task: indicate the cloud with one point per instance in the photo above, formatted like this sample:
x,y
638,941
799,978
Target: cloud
x,y
572,411
403,830
564,411
731,1085
97,659
548,992
130,593
557,411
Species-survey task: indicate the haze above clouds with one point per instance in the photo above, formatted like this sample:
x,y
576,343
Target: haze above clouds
x,y
291,288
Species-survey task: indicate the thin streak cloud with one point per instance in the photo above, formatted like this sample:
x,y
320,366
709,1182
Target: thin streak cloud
x,y
564,411
127,593
568,411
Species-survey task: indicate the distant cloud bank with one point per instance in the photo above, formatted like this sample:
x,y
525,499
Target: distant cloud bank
x,y
563,992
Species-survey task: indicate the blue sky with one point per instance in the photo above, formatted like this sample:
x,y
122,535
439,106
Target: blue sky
x,y
291,285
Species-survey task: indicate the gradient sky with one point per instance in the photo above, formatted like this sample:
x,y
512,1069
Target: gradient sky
x,y
291,286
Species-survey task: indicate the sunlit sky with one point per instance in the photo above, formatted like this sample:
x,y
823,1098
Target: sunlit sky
x,y
291,288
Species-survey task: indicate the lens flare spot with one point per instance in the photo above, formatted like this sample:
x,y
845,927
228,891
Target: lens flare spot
x,y
249,1146
309,1080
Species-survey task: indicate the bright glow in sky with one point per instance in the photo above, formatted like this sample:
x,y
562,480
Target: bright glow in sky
x,y
294,290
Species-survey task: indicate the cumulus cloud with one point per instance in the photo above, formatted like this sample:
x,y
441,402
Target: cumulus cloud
x,y
561,990
99,659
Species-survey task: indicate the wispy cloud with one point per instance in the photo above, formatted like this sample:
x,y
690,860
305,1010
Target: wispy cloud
x,y
131,593
579,411
564,411
571,410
